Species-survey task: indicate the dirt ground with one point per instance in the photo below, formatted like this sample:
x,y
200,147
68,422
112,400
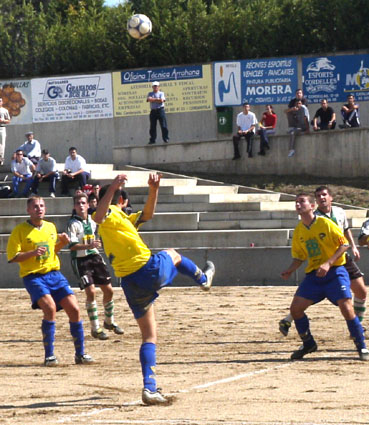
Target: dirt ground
x,y
220,355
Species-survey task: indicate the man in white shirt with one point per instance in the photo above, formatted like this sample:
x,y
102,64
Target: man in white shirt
x,y
246,122
22,169
46,170
31,148
74,170
4,120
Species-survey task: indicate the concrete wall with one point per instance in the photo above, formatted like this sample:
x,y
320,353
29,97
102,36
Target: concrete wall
x,y
245,266
339,153
95,138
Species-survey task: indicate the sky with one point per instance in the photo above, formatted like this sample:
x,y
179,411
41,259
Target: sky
x,y
112,2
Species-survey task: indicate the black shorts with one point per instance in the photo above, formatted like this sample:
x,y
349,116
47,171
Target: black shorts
x,y
352,268
91,270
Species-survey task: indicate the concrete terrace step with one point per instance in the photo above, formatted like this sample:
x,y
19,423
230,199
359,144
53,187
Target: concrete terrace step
x,y
204,238
248,224
161,221
215,238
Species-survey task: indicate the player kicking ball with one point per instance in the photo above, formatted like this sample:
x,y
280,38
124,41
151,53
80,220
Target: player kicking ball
x,y
34,244
321,242
142,273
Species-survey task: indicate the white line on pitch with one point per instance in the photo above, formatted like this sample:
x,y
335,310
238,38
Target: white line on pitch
x,y
196,387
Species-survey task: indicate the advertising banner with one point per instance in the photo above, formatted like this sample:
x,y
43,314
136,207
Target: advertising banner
x,y
81,97
258,81
335,77
16,95
186,89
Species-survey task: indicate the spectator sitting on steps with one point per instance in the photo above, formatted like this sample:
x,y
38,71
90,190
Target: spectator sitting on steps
x,y
327,117
246,122
350,113
74,169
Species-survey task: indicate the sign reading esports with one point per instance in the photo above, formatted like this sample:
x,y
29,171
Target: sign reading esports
x,y
72,98
259,81
335,77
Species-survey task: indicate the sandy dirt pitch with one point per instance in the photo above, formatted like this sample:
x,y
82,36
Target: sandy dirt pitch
x,y
219,354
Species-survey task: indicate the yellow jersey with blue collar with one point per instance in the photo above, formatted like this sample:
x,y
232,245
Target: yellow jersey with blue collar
x,y
26,237
317,243
123,246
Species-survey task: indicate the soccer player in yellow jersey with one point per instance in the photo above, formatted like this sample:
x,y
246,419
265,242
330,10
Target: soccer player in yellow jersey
x,y
321,242
34,244
141,273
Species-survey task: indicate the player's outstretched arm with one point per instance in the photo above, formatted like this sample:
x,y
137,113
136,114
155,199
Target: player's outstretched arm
x,y
150,206
105,201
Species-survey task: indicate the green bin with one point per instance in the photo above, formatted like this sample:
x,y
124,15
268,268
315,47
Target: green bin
x,y
225,119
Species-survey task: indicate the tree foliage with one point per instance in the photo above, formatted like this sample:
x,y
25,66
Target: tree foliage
x,y
53,37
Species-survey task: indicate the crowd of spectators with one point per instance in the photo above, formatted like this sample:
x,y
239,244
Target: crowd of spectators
x,y
31,165
298,118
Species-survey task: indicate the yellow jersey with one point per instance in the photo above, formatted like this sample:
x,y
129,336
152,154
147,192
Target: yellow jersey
x,y
26,237
123,246
317,243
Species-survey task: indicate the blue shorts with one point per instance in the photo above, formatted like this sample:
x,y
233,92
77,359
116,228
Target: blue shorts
x,y
140,287
52,283
334,286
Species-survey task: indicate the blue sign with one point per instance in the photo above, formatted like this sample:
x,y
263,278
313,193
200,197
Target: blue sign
x,y
335,77
259,81
167,74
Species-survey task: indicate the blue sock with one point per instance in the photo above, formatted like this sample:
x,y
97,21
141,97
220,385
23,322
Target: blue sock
x,y
76,329
148,363
189,268
48,337
356,331
302,326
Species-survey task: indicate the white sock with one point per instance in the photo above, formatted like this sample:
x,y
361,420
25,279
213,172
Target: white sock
x,y
93,315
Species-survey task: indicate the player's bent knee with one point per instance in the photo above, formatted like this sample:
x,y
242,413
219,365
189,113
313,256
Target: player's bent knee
x,y
176,257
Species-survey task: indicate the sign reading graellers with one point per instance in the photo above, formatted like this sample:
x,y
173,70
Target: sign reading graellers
x,y
79,97
186,89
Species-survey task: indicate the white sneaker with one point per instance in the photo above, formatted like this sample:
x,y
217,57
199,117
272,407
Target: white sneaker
x,y
209,271
364,354
291,153
153,397
51,361
83,359
52,195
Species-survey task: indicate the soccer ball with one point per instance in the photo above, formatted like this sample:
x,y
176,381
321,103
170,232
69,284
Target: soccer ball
x,y
139,26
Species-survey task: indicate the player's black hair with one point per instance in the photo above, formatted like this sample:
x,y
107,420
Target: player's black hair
x,y
92,196
116,196
320,188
